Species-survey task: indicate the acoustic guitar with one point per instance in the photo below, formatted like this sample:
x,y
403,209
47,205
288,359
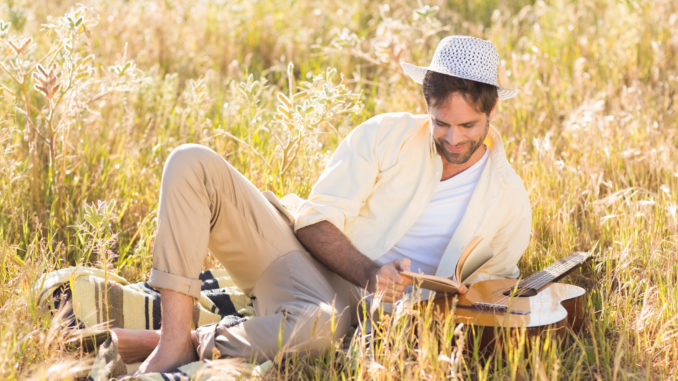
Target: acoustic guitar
x,y
534,302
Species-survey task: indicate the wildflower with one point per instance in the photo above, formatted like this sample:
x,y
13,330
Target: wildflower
x,y
47,81
20,48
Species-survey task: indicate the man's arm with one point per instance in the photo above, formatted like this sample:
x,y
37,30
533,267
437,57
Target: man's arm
x,y
333,249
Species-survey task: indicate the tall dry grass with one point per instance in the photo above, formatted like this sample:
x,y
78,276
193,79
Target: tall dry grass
x,y
95,95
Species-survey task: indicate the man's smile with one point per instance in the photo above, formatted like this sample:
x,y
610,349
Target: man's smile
x,y
454,148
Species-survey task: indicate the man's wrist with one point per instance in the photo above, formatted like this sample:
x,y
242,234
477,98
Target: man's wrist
x,y
371,276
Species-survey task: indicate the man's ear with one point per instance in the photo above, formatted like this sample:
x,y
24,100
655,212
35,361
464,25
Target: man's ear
x,y
490,117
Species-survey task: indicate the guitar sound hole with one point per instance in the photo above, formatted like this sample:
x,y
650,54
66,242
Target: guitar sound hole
x,y
521,292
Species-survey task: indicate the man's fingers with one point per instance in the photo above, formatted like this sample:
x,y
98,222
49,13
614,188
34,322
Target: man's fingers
x,y
389,274
393,274
392,288
392,280
391,270
389,282
402,264
405,281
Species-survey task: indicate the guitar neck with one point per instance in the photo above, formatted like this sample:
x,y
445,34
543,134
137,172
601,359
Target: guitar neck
x,y
554,272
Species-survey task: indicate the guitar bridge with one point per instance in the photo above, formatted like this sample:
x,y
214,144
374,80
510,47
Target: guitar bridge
x,y
490,307
494,307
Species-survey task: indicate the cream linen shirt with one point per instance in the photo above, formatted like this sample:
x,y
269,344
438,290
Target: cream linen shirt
x,y
381,178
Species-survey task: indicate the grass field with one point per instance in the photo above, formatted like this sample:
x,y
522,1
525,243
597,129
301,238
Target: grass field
x,y
95,94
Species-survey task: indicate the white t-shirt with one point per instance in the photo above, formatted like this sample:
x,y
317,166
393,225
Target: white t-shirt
x,y
426,240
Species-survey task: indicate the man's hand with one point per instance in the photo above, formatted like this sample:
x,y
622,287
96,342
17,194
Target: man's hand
x,y
387,280
462,289
331,247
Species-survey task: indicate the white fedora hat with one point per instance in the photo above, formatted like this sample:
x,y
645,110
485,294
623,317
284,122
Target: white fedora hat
x,y
464,57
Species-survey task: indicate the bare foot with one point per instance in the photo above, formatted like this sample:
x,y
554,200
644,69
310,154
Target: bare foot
x,y
171,353
175,347
134,345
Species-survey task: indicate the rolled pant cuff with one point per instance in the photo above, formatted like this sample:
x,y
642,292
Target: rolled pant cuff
x,y
207,349
178,283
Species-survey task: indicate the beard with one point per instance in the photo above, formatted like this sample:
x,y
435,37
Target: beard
x,y
464,156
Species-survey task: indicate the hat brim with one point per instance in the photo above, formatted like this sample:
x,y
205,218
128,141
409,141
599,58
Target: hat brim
x,y
417,73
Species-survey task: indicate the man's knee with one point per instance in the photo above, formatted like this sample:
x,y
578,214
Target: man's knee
x,y
190,156
190,162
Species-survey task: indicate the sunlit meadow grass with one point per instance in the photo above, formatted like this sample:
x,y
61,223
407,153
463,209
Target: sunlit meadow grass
x,y
96,95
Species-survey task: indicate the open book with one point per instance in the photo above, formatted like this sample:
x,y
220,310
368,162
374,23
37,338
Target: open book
x,y
462,271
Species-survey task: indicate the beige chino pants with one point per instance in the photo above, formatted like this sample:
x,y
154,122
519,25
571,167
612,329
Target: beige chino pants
x,y
206,203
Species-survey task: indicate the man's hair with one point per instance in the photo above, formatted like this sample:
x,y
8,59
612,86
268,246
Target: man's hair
x,y
437,87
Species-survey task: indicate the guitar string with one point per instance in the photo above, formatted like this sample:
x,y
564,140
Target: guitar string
x,y
542,276
547,275
534,280
530,282
550,273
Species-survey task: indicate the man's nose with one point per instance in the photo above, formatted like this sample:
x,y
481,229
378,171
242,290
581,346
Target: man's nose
x,y
453,135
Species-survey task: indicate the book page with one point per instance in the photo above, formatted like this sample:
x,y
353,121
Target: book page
x,y
463,256
481,254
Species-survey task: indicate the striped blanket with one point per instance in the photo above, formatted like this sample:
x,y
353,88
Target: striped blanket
x,y
105,300
99,300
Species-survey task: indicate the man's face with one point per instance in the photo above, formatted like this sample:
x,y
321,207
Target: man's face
x,y
458,129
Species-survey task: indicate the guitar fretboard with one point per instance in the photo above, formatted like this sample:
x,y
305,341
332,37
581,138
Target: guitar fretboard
x,y
553,272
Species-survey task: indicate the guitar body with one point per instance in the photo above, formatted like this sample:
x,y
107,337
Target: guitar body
x,y
498,309
486,305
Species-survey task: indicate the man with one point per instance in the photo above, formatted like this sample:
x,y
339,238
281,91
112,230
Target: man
x,y
401,192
